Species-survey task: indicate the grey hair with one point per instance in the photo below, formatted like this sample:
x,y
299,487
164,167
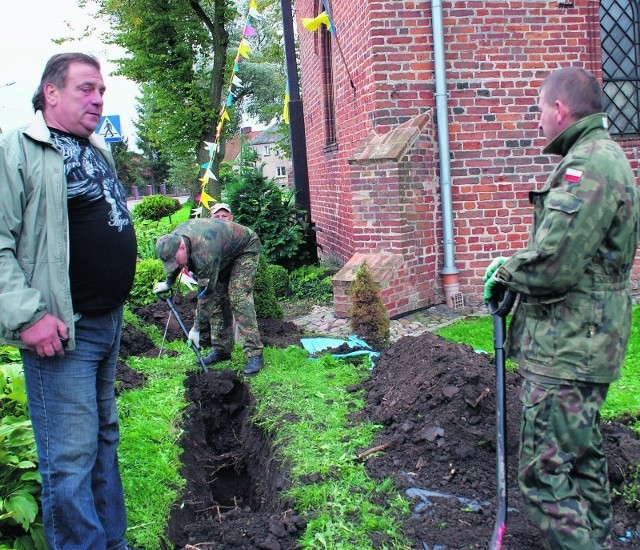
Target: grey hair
x,y
55,72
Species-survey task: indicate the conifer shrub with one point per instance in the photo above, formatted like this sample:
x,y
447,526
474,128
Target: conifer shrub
x,y
280,276
369,317
264,295
148,272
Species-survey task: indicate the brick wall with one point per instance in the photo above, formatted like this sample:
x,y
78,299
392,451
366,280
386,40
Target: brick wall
x,y
496,54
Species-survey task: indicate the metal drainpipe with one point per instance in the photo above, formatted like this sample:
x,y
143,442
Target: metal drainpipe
x,y
449,270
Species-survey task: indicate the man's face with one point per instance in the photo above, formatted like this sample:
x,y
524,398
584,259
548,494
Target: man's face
x,y
222,214
77,107
181,255
548,122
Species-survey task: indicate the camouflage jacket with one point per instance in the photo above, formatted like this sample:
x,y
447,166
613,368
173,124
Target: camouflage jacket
x,y
573,318
212,247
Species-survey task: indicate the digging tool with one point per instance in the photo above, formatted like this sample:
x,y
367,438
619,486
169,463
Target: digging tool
x,y
499,309
166,297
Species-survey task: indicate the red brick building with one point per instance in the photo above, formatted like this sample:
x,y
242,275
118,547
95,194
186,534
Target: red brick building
x,y
429,223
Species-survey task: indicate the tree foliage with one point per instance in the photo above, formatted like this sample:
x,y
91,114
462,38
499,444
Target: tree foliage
x,y
181,52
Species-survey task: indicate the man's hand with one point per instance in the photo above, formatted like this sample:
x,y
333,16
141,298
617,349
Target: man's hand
x,y
194,337
46,336
493,290
160,287
493,267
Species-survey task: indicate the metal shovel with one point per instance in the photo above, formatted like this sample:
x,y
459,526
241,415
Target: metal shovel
x,y
166,297
499,311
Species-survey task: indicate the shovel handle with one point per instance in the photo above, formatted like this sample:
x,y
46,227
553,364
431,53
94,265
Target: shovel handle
x,y
502,306
499,311
166,297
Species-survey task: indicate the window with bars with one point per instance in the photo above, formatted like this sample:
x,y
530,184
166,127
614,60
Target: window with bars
x,y
327,83
620,34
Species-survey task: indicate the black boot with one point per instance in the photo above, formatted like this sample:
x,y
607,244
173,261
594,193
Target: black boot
x,y
254,364
215,356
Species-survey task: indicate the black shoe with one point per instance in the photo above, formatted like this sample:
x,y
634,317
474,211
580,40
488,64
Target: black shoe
x,y
254,364
215,356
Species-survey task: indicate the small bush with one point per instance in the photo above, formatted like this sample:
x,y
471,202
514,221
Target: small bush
x,y
155,207
148,272
20,515
369,316
280,278
311,283
264,296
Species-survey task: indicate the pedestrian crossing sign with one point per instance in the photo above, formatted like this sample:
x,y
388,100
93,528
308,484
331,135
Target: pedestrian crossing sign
x,y
109,128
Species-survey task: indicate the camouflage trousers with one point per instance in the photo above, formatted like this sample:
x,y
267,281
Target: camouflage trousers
x,y
233,299
562,467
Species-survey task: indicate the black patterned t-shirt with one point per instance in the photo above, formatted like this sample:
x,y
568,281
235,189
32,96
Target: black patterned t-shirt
x,y
102,238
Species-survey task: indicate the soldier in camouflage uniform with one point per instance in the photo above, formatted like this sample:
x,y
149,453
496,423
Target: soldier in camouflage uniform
x,y
223,256
570,330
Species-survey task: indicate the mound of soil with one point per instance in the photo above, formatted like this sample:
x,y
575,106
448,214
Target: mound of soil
x,y
436,401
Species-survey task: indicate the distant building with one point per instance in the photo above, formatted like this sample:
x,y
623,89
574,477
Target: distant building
x,y
276,165
232,147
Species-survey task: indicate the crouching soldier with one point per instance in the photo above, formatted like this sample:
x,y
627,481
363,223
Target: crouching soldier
x,y
223,257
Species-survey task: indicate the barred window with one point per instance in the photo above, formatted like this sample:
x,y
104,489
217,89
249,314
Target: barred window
x,y
620,34
327,81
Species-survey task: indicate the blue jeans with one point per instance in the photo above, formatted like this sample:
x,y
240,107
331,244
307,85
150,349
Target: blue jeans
x,y
73,411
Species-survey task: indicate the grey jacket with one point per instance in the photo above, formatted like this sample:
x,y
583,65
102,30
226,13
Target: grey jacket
x,y
34,231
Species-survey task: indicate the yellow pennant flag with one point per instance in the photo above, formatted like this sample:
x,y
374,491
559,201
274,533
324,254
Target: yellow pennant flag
x,y
285,111
244,48
205,198
314,24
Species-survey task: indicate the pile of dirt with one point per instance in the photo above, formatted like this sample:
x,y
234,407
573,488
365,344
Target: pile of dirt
x,y
436,401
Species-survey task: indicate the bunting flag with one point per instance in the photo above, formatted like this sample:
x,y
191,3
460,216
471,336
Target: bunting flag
x,y
244,51
325,18
313,24
285,110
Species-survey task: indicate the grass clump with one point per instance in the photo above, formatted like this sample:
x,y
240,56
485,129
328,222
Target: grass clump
x,y
347,507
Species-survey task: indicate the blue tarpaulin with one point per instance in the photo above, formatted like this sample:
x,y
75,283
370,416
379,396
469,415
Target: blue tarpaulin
x,y
316,346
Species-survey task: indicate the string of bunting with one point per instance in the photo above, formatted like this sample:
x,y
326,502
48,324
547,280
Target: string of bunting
x,y
244,49
326,18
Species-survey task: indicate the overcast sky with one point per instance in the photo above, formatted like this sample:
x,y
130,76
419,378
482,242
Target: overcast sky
x,y
26,30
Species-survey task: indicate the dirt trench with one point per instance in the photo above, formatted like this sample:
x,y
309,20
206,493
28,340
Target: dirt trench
x,y
224,453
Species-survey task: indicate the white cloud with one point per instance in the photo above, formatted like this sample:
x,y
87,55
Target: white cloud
x,y
26,31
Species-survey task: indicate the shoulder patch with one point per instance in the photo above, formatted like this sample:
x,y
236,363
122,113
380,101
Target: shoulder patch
x,y
573,175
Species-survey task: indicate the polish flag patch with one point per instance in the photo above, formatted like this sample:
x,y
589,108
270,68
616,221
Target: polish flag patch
x,y
573,175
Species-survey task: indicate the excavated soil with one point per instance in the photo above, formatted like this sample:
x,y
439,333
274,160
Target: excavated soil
x,y
436,401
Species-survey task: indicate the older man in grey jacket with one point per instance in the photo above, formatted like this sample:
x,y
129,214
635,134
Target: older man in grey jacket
x,y
67,261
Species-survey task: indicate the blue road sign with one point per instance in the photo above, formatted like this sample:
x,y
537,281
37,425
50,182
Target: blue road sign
x,y
109,128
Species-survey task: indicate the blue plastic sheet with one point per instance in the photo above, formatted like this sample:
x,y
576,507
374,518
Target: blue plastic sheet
x,y
316,346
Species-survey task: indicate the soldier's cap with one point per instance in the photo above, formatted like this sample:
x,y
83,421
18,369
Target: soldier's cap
x,y
220,206
166,248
